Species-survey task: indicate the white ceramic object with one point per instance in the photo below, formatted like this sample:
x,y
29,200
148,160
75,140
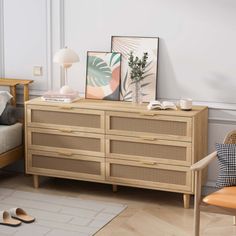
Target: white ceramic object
x,y
186,104
66,90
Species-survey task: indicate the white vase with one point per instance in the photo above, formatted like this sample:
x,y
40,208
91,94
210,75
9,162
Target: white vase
x,y
136,92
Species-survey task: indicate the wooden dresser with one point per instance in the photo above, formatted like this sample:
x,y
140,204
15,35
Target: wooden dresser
x,y
115,142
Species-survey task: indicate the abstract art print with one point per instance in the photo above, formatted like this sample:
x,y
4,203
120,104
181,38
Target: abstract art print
x,y
138,45
103,75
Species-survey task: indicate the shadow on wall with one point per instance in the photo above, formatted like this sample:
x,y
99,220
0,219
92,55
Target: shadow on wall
x,y
166,75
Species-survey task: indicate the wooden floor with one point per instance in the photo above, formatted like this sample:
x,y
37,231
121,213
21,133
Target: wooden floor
x,y
149,213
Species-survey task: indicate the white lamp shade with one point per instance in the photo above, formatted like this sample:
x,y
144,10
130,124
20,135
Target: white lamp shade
x,y
66,57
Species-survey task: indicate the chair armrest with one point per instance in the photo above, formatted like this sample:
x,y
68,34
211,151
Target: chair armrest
x,y
204,162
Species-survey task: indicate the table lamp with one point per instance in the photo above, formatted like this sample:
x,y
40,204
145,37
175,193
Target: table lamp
x,y
66,57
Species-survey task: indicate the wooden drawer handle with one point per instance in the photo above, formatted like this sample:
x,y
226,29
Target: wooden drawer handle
x,y
66,107
150,163
66,130
147,114
148,138
65,153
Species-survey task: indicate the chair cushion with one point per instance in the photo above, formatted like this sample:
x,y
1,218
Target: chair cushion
x,y
227,164
224,197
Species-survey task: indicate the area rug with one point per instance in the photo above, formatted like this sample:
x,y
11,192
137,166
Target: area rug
x,y
57,215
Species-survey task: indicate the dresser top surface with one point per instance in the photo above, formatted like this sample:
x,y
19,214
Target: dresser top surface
x,y
115,106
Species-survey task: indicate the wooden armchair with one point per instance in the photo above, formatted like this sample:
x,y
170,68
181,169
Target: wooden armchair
x,y
16,153
222,201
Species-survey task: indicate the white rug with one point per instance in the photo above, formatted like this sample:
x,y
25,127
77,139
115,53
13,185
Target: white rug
x,y
57,215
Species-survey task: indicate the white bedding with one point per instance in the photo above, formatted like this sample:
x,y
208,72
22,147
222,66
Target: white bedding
x,y
10,136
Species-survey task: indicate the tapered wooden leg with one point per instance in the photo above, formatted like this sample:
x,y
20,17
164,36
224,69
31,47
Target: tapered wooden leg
x,y
186,198
197,201
114,188
234,220
36,181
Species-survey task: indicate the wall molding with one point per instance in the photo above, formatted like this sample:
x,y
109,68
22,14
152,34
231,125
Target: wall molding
x,y
210,105
49,44
2,64
224,121
62,38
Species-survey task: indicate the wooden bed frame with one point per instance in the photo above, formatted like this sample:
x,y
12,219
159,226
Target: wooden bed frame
x,y
17,153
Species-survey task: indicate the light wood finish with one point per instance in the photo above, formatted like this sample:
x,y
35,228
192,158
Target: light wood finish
x,y
17,153
114,188
65,165
135,147
150,175
70,118
36,181
11,156
200,165
198,168
129,124
186,198
64,141
13,93
153,149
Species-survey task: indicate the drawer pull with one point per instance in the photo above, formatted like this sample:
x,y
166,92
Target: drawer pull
x,y
149,163
65,153
66,107
148,138
147,114
66,130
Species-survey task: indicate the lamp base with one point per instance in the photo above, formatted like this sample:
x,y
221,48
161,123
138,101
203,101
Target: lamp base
x,y
66,90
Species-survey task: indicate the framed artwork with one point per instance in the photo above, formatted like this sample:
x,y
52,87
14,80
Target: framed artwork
x,y
103,75
138,45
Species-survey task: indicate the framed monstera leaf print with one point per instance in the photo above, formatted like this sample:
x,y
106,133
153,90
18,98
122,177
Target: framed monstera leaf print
x,y
103,75
138,45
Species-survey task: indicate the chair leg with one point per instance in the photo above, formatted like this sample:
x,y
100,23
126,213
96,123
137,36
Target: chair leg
x,y
234,220
197,202
196,220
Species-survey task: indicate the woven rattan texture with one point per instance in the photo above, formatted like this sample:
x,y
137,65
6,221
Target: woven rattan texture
x,y
66,118
148,174
64,141
87,167
149,126
148,150
231,138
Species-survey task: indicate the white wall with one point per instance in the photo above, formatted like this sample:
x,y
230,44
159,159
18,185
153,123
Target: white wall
x,y
196,57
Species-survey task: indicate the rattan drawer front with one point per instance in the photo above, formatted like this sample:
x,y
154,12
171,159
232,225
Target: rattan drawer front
x,y
75,119
149,174
163,151
75,142
164,127
57,164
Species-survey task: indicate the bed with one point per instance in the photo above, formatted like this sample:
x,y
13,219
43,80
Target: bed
x,y
11,136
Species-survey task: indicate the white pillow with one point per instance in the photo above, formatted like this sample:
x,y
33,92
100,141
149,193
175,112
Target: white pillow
x,y
4,98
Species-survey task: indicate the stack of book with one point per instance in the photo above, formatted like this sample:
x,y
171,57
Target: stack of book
x,y
52,96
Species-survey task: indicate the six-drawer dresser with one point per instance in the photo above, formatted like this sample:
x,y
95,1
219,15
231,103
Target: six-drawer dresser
x,y
115,142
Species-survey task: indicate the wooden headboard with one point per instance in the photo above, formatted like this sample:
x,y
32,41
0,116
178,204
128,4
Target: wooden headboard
x,y
12,84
